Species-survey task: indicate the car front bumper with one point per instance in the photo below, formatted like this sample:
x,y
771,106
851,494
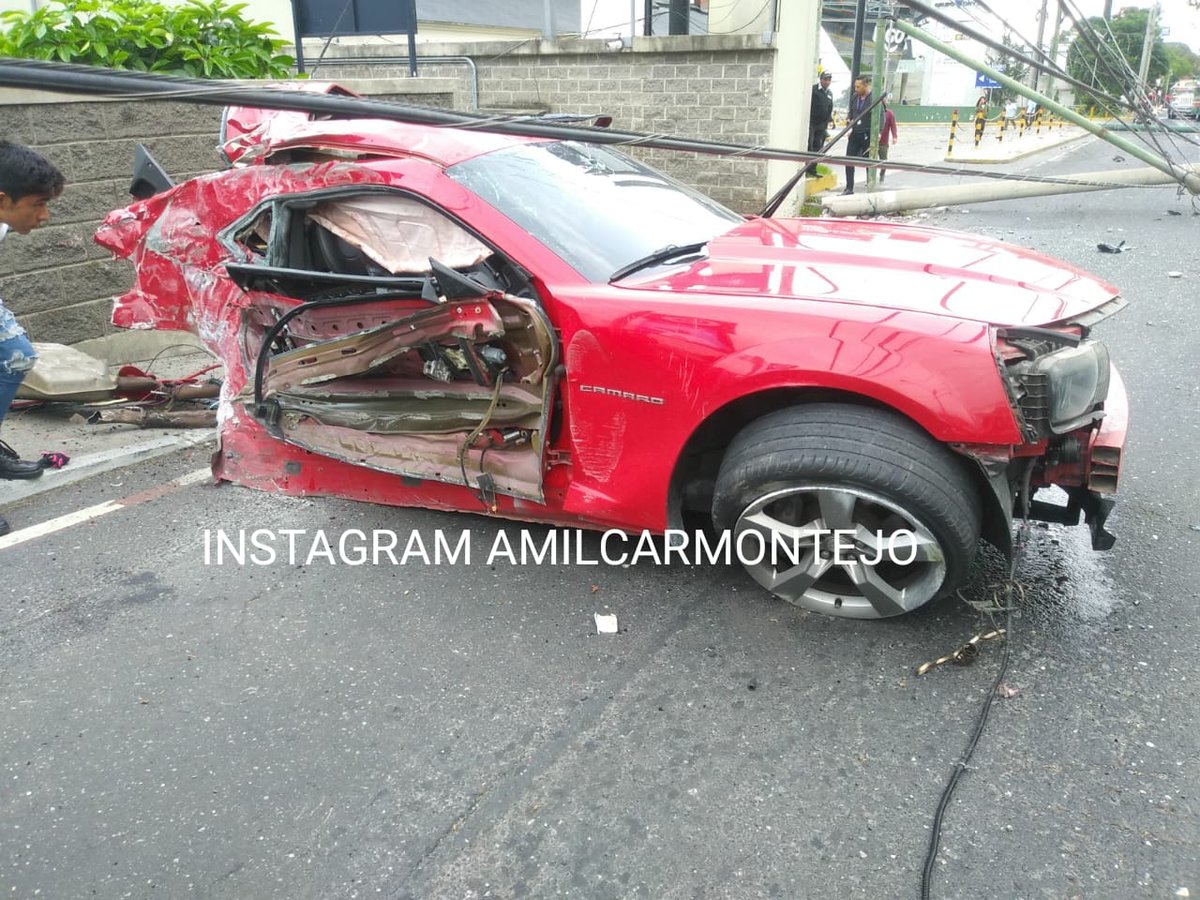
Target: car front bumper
x,y
1103,459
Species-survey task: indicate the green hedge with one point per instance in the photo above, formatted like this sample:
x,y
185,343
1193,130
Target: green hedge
x,y
197,39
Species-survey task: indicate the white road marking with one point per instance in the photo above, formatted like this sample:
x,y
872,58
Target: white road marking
x,y
101,509
87,465
36,531
194,477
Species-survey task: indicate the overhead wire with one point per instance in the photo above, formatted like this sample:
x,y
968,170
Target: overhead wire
x,y
991,43
136,85
1049,63
332,34
1111,104
1121,73
588,27
729,12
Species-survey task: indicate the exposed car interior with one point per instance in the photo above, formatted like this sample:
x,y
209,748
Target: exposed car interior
x,y
414,348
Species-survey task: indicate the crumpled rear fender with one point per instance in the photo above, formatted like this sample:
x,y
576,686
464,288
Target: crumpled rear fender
x,y
173,240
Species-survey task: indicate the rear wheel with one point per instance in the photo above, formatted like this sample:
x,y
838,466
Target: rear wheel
x,y
861,513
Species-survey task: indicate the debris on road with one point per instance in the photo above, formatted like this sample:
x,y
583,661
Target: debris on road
x,y
605,624
964,655
189,418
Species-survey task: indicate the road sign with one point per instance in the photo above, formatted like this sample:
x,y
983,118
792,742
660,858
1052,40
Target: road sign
x,y
982,81
893,40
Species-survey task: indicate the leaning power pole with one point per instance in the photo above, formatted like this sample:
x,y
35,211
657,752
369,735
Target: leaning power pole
x,y
1148,46
1183,175
1054,41
1035,72
860,20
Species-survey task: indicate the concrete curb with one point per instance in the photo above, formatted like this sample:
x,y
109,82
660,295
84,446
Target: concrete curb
x,y
999,160
96,449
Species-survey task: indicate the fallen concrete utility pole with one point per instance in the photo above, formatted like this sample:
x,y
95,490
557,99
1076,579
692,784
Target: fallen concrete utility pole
x,y
193,418
923,198
1182,175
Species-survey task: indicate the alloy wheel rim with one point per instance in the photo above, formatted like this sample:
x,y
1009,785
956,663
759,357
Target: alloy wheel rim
x,y
841,551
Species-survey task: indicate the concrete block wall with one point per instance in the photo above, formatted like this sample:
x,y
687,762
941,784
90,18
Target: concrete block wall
x,y
57,281
712,87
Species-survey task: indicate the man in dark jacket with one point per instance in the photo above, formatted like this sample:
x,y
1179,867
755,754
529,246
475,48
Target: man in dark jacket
x,y
820,113
859,142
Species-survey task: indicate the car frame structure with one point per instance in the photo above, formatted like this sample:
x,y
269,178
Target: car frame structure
x,y
551,331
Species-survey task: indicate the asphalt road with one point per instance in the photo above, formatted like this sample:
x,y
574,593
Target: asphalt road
x,y
171,728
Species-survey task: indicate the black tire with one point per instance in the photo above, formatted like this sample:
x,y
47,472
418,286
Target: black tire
x,y
837,465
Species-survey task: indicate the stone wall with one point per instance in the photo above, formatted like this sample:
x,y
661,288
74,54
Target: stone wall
x,y
718,88
712,87
57,280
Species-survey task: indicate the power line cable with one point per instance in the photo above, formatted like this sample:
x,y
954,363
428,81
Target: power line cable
x,y
116,85
1123,75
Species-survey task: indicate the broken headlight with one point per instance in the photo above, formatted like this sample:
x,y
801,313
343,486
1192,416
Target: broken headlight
x,y
1063,389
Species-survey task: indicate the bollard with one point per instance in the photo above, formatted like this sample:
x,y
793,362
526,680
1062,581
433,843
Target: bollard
x,y
1021,125
979,120
953,126
1037,121
1003,125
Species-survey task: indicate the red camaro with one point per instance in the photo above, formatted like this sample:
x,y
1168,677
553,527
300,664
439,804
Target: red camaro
x,y
550,331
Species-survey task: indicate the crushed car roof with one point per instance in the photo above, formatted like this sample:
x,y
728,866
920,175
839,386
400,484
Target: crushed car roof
x,y
364,137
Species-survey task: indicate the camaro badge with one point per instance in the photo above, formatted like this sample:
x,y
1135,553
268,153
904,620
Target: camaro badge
x,y
624,395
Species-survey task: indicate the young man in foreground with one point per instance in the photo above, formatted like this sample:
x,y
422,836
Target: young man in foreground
x,y
28,182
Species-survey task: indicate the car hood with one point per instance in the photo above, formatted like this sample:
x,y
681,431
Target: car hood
x,y
907,267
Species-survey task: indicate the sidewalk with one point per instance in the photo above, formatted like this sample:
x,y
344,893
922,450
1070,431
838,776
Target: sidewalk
x,y
927,145
93,449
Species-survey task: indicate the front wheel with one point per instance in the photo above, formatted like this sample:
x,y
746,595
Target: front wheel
x,y
868,516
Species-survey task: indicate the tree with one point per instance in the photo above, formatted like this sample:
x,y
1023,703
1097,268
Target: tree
x,y
1113,70
200,39
1013,68
1184,63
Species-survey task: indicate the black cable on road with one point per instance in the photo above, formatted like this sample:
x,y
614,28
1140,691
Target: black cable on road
x,y
960,766
1010,597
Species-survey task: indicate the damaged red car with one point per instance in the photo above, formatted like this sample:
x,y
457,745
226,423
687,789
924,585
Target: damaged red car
x,y
551,331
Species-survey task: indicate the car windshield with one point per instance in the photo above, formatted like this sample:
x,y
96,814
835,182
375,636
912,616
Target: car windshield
x,y
597,209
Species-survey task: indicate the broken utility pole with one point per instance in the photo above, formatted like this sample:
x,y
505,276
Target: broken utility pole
x,y
882,202
1185,177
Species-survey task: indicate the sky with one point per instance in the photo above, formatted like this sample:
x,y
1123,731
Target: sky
x,y
1183,20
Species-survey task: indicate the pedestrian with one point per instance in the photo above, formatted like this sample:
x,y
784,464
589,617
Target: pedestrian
x,y
859,142
820,112
28,182
887,134
1010,111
